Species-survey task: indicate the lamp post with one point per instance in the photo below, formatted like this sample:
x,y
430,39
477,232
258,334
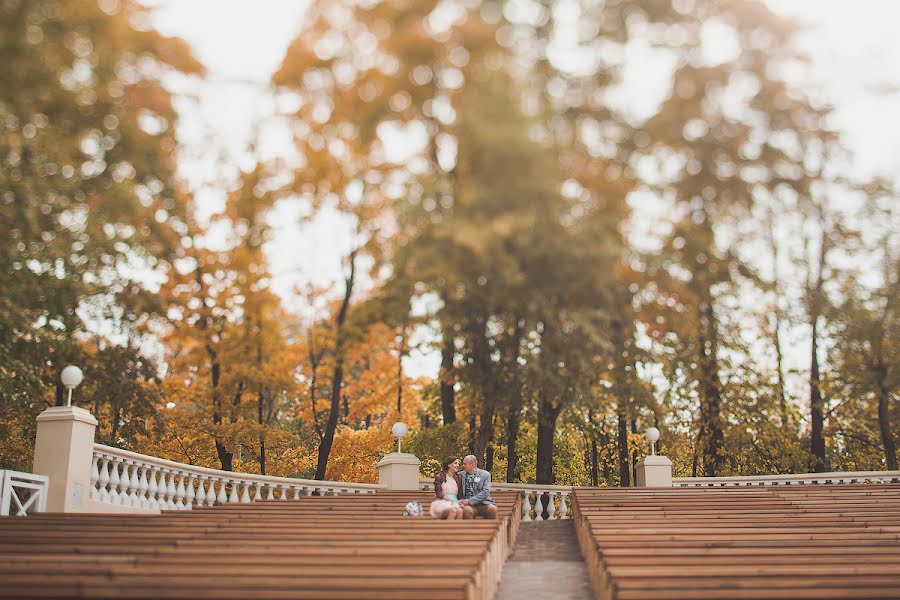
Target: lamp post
x,y
652,435
71,376
399,431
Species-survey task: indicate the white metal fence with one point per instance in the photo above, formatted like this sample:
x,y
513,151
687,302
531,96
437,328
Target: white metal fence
x,y
22,493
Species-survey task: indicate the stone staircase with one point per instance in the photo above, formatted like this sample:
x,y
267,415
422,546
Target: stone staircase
x,y
546,564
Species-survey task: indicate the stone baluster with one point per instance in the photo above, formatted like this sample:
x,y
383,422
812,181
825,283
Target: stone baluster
x,y
134,485
124,482
297,490
563,509
538,505
95,478
162,490
233,496
222,497
551,506
190,494
201,492
143,487
180,492
257,492
271,494
104,479
211,493
245,494
114,481
152,488
526,506
170,489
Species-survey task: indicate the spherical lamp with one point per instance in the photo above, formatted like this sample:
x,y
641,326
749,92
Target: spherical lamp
x,y
71,376
652,436
399,431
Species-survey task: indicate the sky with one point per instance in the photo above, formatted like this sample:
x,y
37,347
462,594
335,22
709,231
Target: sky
x,y
854,45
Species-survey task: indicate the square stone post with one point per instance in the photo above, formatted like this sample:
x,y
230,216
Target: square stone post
x,y
399,471
63,451
654,471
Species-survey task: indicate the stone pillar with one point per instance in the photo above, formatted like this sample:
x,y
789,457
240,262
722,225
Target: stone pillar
x,y
63,452
399,471
654,471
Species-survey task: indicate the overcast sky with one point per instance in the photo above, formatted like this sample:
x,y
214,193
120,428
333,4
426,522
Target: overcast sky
x,y
854,44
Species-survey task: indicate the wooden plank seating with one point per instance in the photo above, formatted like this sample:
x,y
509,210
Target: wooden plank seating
x,y
834,541
353,546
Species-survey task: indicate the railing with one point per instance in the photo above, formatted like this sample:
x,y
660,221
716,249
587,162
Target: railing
x,y
22,494
125,478
539,502
801,479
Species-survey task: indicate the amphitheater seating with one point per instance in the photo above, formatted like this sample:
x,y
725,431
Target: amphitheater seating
x,y
835,541
353,546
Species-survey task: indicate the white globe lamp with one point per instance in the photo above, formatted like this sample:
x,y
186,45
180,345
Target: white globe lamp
x,y
399,431
71,376
652,436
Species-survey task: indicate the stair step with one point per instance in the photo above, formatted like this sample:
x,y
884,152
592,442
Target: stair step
x,y
546,564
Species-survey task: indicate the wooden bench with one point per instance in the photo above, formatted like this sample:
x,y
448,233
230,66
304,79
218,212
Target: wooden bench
x,y
835,541
354,546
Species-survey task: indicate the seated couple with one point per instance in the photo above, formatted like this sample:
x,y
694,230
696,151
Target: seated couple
x,y
463,495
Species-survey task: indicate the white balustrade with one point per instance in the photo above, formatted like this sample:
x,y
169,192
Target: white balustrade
x,y
22,493
130,479
537,500
875,477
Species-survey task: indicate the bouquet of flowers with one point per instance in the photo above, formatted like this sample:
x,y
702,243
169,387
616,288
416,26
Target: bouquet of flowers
x,y
413,509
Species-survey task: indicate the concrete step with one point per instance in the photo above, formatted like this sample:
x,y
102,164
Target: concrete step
x,y
544,580
547,540
546,564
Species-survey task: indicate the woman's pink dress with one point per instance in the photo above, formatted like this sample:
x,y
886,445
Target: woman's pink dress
x,y
442,505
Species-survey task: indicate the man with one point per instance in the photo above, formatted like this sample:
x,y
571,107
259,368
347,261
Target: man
x,y
476,493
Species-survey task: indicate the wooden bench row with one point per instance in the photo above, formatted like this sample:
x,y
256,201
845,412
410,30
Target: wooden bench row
x,y
355,546
839,541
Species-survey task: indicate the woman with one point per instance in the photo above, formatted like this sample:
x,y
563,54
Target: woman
x,y
446,488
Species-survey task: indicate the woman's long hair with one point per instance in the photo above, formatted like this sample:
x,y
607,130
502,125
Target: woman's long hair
x,y
449,461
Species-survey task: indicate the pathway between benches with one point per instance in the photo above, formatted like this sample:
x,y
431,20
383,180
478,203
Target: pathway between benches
x,y
545,564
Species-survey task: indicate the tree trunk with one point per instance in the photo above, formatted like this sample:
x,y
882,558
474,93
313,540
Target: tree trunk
x,y
448,410
816,401
634,453
61,391
592,465
261,419
711,436
779,358
607,472
816,406
315,358
117,419
622,443
548,412
780,392
338,375
512,436
225,457
485,429
884,419
400,374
